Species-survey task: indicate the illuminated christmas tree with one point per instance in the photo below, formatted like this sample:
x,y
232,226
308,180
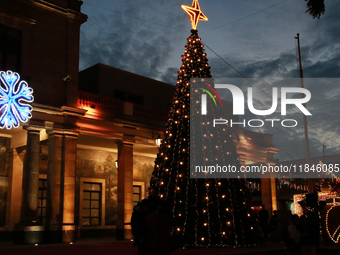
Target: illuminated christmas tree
x,y
206,212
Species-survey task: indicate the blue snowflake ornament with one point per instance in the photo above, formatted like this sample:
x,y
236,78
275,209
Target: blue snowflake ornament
x,y
15,99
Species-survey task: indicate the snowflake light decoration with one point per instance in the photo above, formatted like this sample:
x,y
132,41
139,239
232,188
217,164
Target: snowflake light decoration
x,y
15,99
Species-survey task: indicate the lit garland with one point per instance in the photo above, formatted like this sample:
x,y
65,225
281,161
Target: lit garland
x,y
297,207
322,196
336,233
207,212
285,184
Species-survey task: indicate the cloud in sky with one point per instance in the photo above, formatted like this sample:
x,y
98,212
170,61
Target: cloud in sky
x,y
257,38
129,39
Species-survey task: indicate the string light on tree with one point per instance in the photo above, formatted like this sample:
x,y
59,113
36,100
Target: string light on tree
x,y
206,212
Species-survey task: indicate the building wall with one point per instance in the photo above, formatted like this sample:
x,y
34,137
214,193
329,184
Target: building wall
x,y
109,81
98,166
50,46
4,170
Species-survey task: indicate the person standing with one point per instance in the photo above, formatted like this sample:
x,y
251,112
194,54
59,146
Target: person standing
x,y
263,219
294,236
138,227
284,218
158,224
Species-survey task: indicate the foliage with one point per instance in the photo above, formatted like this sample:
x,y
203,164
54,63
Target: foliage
x,y
316,8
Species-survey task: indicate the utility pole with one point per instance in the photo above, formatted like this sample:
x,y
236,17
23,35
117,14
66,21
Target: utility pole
x,y
310,181
324,155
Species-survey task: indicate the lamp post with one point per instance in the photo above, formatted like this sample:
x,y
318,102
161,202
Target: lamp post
x,y
158,141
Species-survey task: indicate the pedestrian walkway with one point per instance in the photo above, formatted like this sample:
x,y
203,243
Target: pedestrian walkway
x,y
110,246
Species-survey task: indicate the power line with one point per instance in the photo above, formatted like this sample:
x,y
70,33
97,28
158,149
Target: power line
x,y
244,17
130,16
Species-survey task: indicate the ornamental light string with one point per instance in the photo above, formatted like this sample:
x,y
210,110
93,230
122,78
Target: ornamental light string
x,y
206,212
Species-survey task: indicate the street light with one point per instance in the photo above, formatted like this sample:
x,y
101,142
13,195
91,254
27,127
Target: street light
x,y
158,141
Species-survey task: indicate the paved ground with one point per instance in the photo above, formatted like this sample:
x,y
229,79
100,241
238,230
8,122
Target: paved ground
x,y
109,246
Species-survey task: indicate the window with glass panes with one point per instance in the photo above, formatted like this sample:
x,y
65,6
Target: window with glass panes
x,y
42,194
137,193
92,193
10,48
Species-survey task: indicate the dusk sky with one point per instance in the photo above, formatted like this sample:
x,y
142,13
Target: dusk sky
x,y
255,37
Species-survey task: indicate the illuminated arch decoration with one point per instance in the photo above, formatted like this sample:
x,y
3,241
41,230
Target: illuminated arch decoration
x,y
333,229
15,99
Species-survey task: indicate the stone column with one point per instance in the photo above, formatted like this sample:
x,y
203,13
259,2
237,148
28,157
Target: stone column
x,y
14,188
268,188
54,178
29,230
62,152
69,179
125,190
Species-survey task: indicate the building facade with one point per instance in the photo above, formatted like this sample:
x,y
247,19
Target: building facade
x,y
85,158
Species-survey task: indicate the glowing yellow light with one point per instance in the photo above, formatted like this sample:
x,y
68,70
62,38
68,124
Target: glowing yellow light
x,y
297,207
178,229
205,224
195,13
219,183
227,209
202,238
223,233
228,222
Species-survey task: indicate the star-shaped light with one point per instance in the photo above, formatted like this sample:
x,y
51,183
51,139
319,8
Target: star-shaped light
x,y
194,13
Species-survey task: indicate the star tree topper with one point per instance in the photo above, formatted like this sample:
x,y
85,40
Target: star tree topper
x,y
194,13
